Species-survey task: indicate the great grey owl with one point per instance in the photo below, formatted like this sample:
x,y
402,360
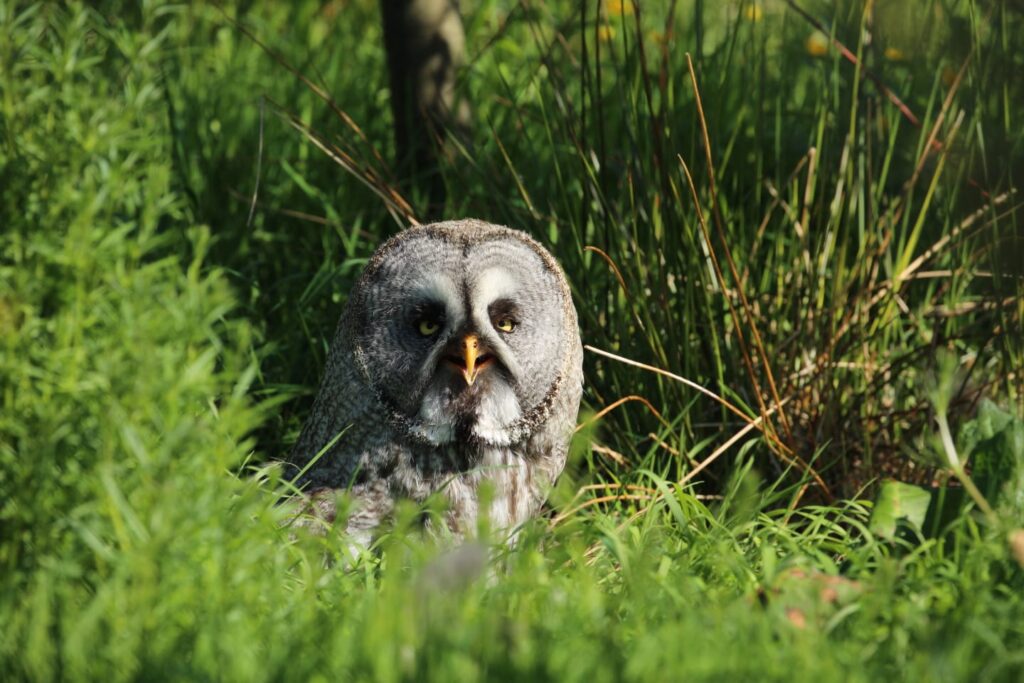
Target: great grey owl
x,y
457,361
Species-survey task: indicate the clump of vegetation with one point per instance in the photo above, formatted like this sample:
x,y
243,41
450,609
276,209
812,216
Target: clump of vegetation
x,y
814,217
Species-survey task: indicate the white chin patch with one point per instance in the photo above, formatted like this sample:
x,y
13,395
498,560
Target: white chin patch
x,y
498,409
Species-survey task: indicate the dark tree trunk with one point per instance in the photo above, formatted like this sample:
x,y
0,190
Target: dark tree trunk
x,y
424,40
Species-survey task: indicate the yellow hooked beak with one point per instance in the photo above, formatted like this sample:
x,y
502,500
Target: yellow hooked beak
x,y
472,361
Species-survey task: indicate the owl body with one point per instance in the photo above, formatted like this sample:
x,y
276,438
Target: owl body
x,y
457,362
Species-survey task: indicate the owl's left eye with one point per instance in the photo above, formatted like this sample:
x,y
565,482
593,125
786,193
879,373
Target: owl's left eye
x,y
505,324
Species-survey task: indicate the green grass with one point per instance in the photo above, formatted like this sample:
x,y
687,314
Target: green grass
x,y
161,339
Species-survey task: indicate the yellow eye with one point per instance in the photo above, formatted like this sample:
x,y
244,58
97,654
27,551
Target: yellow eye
x,y
505,324
428,327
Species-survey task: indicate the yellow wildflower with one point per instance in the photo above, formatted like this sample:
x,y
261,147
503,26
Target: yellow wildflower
x,y
619,8
894,54
816,44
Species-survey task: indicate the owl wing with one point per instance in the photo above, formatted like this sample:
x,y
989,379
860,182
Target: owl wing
x,y
345,420
548,448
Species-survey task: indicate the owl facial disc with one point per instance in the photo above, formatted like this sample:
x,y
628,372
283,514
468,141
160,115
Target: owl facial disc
x,y
464,336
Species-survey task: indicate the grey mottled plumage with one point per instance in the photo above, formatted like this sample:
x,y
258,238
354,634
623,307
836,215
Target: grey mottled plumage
x,y
457,360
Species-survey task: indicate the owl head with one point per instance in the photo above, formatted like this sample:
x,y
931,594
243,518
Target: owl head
x,y
465,331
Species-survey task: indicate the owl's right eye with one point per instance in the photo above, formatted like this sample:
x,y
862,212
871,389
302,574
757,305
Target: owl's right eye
x,y
428,327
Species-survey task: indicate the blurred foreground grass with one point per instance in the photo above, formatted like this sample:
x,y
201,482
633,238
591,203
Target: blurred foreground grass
x,y
160,339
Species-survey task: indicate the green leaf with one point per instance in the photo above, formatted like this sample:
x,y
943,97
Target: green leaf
x,y
997,455
898,502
